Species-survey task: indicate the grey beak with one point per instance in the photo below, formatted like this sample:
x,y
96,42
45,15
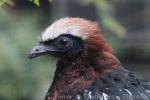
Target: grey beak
x,y
40,50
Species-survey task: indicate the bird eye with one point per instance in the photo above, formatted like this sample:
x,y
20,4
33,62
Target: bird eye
x,y
63,41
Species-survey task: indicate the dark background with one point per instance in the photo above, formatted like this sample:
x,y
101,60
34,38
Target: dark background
x,y
124,23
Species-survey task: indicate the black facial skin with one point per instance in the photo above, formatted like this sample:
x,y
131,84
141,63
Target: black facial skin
x,y
62,46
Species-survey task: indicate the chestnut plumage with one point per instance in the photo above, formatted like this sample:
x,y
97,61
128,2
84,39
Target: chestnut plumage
x,y
87,68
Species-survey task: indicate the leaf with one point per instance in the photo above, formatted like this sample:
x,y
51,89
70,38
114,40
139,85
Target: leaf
x,y
6,2
36,2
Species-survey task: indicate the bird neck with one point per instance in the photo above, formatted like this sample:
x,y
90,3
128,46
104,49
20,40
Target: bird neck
x,y
70,78
74,75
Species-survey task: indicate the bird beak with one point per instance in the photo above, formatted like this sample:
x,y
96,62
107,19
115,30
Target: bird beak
x,y
40,50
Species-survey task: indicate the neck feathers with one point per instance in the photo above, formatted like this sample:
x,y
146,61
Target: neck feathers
x,y
99,54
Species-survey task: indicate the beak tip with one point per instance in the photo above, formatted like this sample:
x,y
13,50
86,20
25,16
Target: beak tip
x,y
32,53
38,51
29,56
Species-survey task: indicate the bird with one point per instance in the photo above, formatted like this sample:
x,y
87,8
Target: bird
x,y
87,68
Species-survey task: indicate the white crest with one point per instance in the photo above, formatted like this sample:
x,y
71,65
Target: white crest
x,y
59,28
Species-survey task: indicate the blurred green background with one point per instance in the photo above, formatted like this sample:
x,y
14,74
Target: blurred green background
x,y
124,23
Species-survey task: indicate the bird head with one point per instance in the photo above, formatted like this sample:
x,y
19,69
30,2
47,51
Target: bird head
x,y
83,52
70,37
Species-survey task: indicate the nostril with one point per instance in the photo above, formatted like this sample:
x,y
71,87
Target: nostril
x,y
36,50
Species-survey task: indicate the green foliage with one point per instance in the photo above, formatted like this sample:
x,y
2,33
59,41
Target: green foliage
x,y
36,2
22,79
2,2
6,2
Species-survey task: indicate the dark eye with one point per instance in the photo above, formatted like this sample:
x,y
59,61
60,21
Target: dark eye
x,y
63,42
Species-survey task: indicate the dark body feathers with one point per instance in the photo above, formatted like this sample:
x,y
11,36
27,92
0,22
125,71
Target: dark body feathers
x,y
117,85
